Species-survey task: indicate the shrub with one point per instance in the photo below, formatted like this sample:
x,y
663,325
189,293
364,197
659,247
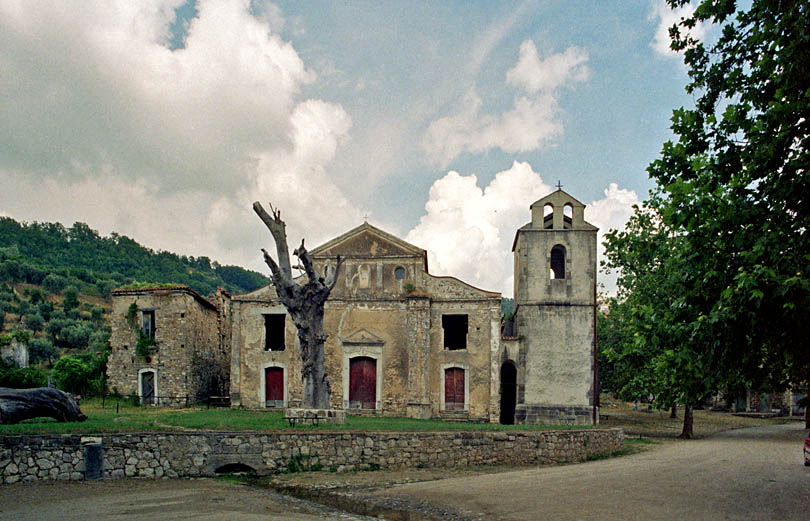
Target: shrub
x,y
34,322
72,374
54,283
71,300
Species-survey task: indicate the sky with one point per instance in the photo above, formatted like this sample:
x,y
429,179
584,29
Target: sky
x,y
438,122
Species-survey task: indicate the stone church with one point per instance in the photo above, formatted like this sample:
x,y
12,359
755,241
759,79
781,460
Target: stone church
x,y
403,342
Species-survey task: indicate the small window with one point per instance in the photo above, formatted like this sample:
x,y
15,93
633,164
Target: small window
x,y
182,315
455,331
148,324
399,273
558,262
274,332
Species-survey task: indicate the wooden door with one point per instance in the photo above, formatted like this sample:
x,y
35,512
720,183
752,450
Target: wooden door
x,y
274,387
454,389
148,387
362,383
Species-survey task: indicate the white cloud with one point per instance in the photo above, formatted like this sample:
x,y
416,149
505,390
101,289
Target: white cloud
x,y
531,122
610,213
101,122
468,231
668,17
534,75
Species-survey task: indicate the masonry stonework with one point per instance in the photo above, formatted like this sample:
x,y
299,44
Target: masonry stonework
x,y
191,356
171,455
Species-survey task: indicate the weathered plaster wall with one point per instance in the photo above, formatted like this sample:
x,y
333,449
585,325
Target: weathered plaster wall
x,y
156,455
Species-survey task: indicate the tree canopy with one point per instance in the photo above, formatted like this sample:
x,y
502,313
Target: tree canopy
x,y
716,265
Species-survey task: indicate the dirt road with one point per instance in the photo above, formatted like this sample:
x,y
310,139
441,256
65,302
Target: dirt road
x,y
749,474
156,500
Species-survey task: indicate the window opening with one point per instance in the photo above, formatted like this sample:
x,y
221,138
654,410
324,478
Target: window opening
x,y
548,216
148,324
399,273
558,262
274,332
568,215
455,331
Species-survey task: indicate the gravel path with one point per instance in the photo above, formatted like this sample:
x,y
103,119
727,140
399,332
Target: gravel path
x,y
748,474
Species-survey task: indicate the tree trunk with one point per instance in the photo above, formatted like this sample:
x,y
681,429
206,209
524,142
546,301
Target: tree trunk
x,y
807,417
17,405
674,412
687,433
304,303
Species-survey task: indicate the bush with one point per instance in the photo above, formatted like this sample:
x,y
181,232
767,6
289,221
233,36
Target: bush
x,y
72,374
23,378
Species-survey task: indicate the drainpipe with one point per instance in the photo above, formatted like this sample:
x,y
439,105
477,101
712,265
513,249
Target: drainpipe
x,y
595,364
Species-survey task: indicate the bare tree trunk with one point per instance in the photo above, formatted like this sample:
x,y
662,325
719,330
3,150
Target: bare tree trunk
x,y
807,417
304,303
17,405
674,412
688,432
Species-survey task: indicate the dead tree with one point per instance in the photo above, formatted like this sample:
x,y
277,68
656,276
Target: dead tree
x,y
305,303
17,405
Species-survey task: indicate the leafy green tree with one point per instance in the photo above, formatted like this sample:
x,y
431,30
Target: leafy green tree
x,y
34,322
54,283
71,300
41,350
733,197
71,374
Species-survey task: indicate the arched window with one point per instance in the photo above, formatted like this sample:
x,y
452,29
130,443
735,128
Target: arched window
x,y
399,273
548,216
558,262
568,215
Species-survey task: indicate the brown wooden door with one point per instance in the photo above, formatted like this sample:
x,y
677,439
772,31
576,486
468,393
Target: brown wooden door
x,y
274,387
454,389
362,383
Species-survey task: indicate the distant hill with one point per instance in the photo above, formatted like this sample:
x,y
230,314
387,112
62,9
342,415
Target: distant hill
x,y
55,257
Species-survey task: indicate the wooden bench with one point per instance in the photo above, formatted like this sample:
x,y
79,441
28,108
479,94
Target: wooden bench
x,y
302,419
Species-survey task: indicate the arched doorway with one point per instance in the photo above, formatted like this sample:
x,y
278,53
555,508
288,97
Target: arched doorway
x,y
508,393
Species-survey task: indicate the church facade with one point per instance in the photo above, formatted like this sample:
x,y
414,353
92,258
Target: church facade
x,y
399,340
403,342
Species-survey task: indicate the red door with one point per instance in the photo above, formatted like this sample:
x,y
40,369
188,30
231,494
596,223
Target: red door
x,y
454,389
274,387
362,383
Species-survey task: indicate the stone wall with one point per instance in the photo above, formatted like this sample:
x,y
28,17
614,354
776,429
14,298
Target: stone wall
x,y
190,358
156,455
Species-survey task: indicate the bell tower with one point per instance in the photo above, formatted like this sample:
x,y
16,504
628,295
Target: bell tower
x,y
555,317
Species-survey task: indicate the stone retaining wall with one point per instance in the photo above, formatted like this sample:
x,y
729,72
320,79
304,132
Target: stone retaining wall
x,y
155,455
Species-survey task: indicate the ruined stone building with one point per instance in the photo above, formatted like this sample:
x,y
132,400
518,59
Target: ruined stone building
x,y
184,355
400,341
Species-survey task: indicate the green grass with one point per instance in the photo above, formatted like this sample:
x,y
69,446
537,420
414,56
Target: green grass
x,y
129,418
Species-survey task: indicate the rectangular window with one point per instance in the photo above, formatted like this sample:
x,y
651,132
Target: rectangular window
x,y
148,323
455,331
274,332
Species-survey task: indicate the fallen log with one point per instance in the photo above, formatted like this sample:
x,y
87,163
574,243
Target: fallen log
x,y
17,405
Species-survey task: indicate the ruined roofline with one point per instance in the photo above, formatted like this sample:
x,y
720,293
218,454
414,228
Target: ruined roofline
x,y
490,294
164,290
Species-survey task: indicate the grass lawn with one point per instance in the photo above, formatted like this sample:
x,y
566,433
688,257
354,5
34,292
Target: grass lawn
x,y
119,416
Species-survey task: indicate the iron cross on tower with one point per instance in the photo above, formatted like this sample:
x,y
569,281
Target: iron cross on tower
x,y
559,186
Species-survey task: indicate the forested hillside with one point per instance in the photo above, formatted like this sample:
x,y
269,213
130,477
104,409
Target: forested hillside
x,y
55,284
55,257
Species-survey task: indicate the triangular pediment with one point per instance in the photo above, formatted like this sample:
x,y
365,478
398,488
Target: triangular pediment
x,y
362,337
557,198
367,241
